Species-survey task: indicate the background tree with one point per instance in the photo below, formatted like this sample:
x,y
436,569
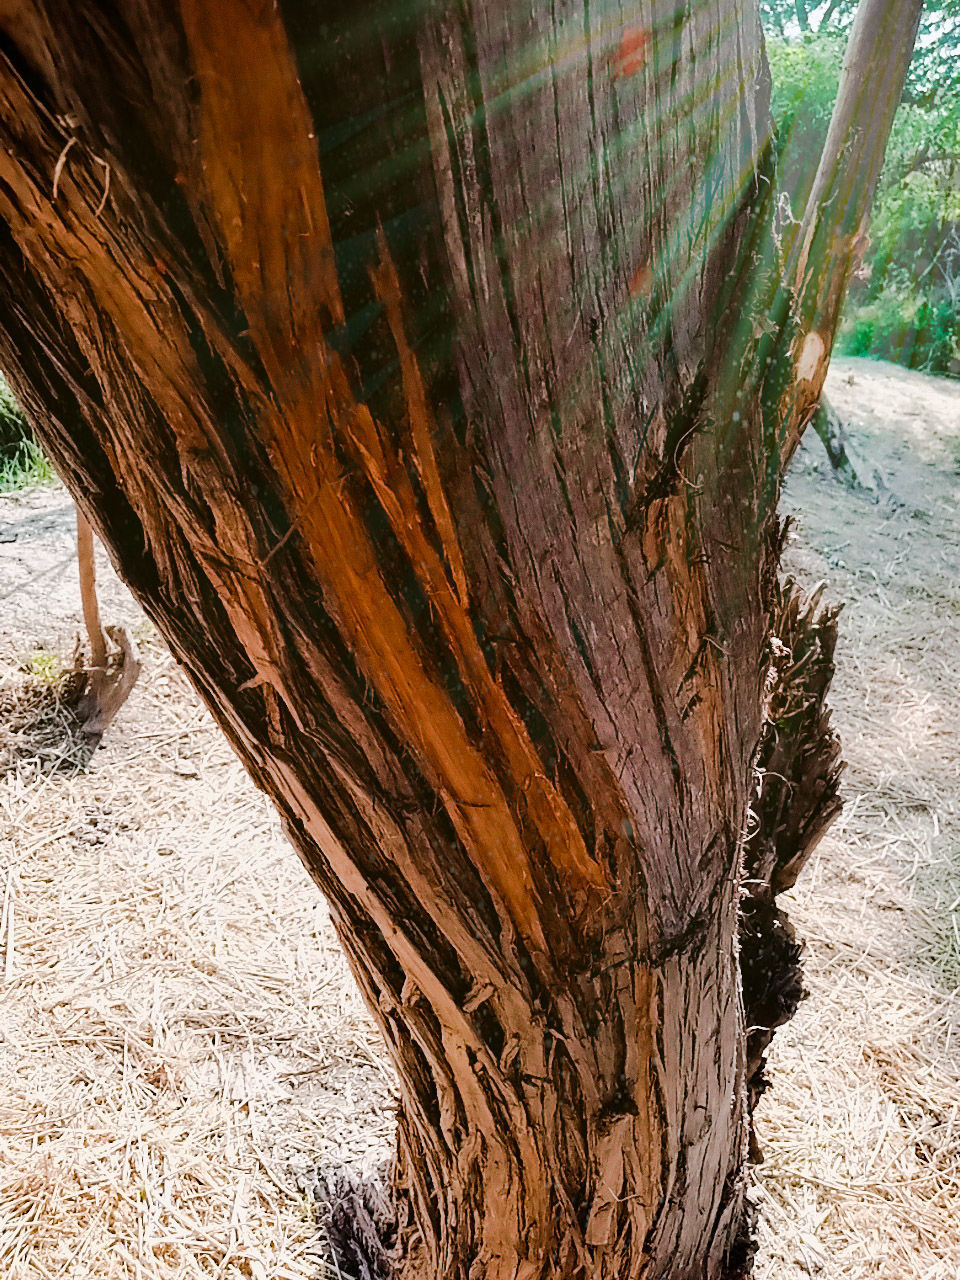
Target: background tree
x,y
903,302
430,371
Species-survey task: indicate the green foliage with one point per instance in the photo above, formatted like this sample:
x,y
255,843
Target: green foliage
x,y
45,665
25,466
22,462
13,425
899,324
905,303
934,75
806,74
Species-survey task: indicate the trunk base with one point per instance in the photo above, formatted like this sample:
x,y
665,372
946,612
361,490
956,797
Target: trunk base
x,y
371,1235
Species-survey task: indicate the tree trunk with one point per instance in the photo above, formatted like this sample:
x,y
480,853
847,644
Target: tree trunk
x,y
109,678
828,425
383,347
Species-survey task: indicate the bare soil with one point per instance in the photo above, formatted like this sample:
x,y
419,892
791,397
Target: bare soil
x,y
186,1059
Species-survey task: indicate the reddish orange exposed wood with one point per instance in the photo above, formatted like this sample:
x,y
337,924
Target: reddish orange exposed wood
x,y
309,380
632,52
640,281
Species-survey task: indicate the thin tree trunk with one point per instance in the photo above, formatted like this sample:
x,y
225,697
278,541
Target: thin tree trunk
x,y
87,570
387,357
109,680
828,425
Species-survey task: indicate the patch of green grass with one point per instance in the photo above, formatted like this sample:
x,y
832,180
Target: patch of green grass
x,y
13,425
45,665
22,461
9,409
24,467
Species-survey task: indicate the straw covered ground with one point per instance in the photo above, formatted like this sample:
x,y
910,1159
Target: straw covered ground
x,y
184,1056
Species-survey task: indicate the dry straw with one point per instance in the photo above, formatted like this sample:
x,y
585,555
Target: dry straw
x,y
182,1044
861,1128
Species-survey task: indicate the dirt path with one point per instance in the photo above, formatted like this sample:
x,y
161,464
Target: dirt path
x,y
183,1049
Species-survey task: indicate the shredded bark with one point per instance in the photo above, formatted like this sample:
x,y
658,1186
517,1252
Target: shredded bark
x,y
464,546
359,1216
798,777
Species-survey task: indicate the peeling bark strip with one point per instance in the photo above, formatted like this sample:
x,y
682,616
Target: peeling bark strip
x,y
797,799
382,346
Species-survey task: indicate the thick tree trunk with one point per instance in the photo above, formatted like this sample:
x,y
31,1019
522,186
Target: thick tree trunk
x,y
383,347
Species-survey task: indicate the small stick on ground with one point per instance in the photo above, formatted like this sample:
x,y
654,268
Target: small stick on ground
x,y
6,928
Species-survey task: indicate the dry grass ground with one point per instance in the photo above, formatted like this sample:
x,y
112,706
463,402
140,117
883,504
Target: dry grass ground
x,y
862,1126
182,1048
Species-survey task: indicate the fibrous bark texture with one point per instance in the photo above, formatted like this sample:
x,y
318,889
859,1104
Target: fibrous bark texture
x,y
428,371
797,798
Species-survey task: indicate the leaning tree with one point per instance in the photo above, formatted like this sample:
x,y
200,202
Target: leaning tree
x,y
430,370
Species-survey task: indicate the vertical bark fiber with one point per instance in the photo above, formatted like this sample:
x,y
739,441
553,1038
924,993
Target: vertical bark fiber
x,y
381,344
